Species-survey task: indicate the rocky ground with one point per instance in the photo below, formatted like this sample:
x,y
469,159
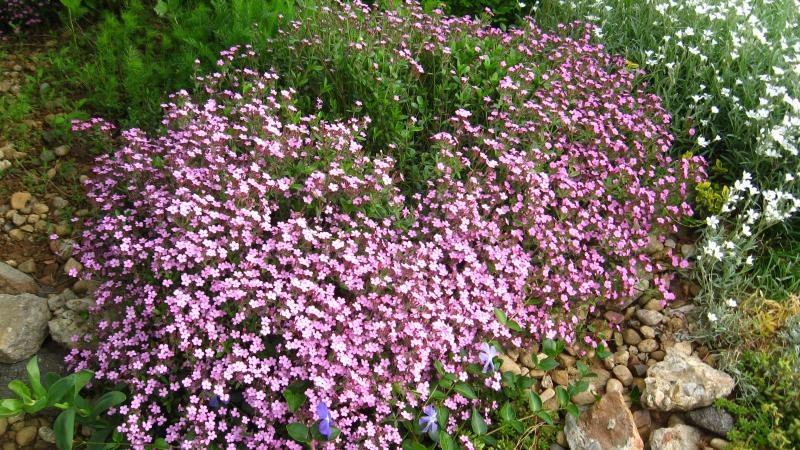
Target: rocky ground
x,y
655,392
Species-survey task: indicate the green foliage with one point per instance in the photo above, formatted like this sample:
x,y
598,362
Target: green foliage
x,y
770,419
64,394
504,12
136,53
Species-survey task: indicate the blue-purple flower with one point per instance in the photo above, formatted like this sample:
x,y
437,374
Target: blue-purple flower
x,y
428,421
215,401
486,356
325,421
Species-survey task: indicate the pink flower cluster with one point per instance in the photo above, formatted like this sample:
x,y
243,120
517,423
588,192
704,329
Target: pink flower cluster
x,y
18,14
251,247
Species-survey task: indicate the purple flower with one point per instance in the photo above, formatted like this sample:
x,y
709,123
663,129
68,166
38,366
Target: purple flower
x,y
486,356
325,420
428,421
215,401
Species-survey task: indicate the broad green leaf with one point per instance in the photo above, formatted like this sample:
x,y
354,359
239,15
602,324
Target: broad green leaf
x,y
446,442
35,378
106,401
465,390
38,405
534,401
412,445
547,364
478,423
507,412
563,397
59,390
297,431
64,427
19,388
161,8
549,348
501,316
294,399
517,425
573,410
442,416
545,417
98,440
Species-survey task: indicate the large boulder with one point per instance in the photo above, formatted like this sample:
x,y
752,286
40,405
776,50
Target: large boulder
x,y
23,326
12,281
682,382
607,425
678,437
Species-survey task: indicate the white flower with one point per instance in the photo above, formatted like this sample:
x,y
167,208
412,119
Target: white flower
x,y
731,302
702,142
749,260
712,317
712,222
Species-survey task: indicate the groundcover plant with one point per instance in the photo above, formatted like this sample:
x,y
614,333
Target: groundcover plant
x,y
254,250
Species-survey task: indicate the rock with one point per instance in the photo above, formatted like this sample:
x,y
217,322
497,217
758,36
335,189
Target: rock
x,y
675,419
678,437
27,266
614,317
555,446
47,435
60,301
547,382
684,383
18,219
23,326
40,209
688,250
719,444
654,305
71,264
509,365
622,357
51,359
9,446
648,332
26,436
623,374
654,245
631,337
713,419
642,418
20,199
17,234
560,377
647,345
80,304
84,287
3,425
61,150
608,425
13,281
64,327
614,385
649,317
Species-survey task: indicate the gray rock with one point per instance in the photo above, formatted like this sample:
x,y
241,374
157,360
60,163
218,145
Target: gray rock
x,y
59,301
713,419
47,435
51,359
678,437
23,326
684,383
649,317
64,327
12,281
80,304
608,425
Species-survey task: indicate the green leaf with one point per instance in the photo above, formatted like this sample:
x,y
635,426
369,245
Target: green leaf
x,y
601,352
546,417
10,407
501,316
60,389
50,378
98,440
465,390
442,415
549,348
446,442
161,8
563,397
547,364
294,399
573,410
297,431
64,427
577,388
106,401
517,425
22,391
82,378
37,406
412,445
478,424
507,412
35,378
534,401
